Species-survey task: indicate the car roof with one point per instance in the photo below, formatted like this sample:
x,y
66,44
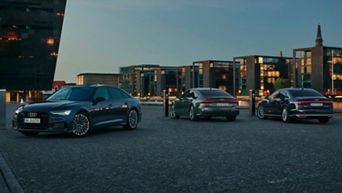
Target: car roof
x,y
198,89
288,89
91,86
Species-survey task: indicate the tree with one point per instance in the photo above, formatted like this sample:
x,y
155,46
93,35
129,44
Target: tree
x,y
281,83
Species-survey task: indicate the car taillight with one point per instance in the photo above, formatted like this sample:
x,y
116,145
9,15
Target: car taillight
x,y
307,102
211,101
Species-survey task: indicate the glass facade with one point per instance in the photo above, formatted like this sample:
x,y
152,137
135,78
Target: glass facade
x,y
30,33
269,73
333,58
304,68
223,75
243,77
260,72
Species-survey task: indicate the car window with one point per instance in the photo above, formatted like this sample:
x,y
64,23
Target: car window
x,y
73,93
116,93
274,95
124,94
304,93
214,92
101,92
186,94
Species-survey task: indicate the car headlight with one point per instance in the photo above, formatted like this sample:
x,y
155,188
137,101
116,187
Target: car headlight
x,y
61,112
19,109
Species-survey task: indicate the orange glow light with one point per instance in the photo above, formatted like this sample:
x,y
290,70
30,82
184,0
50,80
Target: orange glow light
x,y
50,41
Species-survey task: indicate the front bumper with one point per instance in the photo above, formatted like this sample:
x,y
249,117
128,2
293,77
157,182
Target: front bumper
x,y
54,124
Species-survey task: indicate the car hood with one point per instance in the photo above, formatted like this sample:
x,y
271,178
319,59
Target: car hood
x,y
46,106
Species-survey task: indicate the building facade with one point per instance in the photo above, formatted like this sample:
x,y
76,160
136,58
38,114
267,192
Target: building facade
x,y
131,78
216,74
259,73
98,78
318,67
30,32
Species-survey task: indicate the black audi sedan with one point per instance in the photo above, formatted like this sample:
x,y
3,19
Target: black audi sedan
x,y
78,110
205,103
296,103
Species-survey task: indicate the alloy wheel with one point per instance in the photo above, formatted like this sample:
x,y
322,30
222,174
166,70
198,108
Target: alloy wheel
x,y
80,125
133,119
285,115
192,114
260,113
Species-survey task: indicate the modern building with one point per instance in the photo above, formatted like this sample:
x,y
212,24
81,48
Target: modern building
x,y
130,78
318,67
216,74
30,32
98,78
259,72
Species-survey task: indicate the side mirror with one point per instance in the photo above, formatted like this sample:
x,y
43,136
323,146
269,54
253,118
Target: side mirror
x,y
98,99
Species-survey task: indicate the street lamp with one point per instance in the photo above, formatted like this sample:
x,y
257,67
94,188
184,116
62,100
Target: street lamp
x,y
332,72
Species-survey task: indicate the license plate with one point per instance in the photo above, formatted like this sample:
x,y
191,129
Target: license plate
x,y
224,104
316,104
32,120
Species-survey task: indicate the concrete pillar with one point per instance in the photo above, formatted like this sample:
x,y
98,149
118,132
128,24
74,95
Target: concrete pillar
x,y
2,109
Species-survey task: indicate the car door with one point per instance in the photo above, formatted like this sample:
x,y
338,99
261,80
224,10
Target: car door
x,y
187,102
268,106
119,105
180,105
100,111
277,103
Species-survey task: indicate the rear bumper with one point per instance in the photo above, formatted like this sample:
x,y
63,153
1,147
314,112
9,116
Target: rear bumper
x,y
311,114
212,111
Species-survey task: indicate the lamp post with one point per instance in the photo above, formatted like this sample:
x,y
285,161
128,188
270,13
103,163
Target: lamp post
x,y
332,72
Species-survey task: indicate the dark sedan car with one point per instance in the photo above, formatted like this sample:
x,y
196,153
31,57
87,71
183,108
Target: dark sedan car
x,y
291,103
205,103
79,109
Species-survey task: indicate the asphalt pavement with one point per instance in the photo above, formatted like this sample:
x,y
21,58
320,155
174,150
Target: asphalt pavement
x,y
164,155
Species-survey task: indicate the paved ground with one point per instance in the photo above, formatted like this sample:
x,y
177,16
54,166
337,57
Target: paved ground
x,y
165,155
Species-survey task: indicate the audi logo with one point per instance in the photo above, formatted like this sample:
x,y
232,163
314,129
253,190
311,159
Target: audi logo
x,y
31,114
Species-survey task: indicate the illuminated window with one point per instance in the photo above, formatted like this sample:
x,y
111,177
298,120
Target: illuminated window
x,y
50,41
261,60
54,54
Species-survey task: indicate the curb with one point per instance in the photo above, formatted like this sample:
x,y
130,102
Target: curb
x,y
13,185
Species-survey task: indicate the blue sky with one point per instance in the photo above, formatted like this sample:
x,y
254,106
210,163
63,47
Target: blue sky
x,y
101,35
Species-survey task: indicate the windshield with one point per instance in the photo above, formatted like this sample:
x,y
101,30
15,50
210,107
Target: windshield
x,y
304,93
215,93
72,94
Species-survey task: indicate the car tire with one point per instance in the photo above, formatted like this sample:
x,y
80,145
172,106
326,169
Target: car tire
x,y
81,125
323,120
132,120
192,114
231,118
260,112
30,133
285,115
173,114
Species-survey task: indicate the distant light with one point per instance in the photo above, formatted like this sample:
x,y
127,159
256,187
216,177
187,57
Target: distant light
x,y
54,54
50,41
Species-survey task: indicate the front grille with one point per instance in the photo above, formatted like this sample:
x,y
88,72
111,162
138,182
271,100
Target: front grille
x,y
44,120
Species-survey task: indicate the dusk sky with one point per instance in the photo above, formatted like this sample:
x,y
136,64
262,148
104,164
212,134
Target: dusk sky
x,y
101,35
